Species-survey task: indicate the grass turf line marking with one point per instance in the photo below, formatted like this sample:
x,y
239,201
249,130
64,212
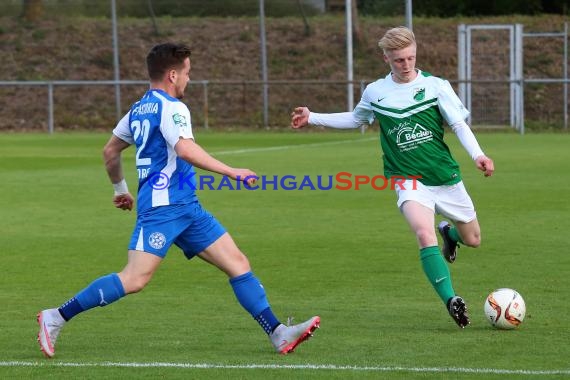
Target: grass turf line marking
x,y
286,147
328,367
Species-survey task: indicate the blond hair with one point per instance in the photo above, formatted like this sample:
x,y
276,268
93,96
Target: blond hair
x,y
397,38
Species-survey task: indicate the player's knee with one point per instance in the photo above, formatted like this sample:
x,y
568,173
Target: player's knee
x,y
240,264
472,240
134,284
426,237
137,287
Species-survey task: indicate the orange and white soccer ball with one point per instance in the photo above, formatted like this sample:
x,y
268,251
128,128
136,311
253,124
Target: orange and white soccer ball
x,y
505,308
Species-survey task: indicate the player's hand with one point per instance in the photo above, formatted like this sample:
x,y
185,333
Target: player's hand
x,y
486,165
124,201
300,117
245,175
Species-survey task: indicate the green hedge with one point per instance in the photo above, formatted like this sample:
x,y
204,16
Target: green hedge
x,y
174,8
447,8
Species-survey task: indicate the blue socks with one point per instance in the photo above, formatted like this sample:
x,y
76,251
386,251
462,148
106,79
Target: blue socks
x,y
108,289
251,296
101,292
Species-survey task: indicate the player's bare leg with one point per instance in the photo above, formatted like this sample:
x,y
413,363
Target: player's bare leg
x,y
138,271
465,233
470,233
421,220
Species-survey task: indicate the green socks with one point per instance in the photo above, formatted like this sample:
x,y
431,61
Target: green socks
x,y
454,235
437,272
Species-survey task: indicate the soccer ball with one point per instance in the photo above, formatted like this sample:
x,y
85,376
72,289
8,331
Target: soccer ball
x,y
505,308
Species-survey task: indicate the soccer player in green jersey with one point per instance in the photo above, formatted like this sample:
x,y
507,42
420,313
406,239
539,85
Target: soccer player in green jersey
x,y
411,107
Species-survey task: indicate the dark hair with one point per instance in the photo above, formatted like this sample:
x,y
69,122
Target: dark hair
x,y
164,57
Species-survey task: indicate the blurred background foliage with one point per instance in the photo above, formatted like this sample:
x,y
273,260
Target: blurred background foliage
x,y
283,8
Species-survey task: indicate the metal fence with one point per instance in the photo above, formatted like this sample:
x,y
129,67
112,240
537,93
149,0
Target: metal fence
x,y
242,107
500,93
92,104
239,103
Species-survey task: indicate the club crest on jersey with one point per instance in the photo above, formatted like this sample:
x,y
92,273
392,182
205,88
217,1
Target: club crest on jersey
x,y
157,240
179,120
419,94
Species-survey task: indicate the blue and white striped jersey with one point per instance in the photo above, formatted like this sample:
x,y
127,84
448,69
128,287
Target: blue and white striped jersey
x,y
155,124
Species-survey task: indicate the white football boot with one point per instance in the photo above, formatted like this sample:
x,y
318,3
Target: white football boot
x,y
286,338
50,322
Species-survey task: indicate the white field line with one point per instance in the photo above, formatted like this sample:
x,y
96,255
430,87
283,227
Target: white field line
x,y
318,367
288,147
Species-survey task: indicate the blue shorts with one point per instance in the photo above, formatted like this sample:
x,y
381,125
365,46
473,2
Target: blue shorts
x,y
189,227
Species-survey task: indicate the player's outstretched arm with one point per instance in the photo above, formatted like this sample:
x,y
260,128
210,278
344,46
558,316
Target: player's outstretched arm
x,y
469,142
112,156
300,117
191,152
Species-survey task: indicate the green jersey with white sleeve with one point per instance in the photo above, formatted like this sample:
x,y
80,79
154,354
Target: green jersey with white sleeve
x,y
411,117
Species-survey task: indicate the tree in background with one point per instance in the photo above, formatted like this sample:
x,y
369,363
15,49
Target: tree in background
x,y
446,8
501,7
556,6
356,31
32,10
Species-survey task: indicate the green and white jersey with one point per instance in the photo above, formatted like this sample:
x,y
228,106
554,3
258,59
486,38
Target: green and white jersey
x,y
411,117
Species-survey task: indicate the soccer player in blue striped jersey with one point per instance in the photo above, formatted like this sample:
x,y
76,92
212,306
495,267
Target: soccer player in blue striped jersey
x,y
411,107
168,210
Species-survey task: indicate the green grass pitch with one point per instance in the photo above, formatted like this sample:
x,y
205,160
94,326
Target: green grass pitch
x,y
347,256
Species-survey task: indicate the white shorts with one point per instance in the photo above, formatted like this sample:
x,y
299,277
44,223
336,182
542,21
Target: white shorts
x,y
451,201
